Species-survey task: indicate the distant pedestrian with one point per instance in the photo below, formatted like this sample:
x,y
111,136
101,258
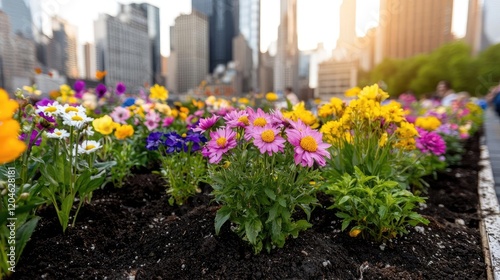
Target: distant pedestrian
x,y
446,93
291,96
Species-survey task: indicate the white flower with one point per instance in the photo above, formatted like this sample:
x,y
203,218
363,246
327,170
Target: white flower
x,y
67,109
58,134
88,147
50,110
76,119
88,131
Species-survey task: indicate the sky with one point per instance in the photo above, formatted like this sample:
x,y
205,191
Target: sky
x,y
317,20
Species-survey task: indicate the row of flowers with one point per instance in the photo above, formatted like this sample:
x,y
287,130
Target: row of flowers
x,y
370,154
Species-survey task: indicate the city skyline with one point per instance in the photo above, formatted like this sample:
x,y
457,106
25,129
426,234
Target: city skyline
x,y
322,17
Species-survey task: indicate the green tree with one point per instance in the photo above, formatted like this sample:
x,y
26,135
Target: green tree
x,y
488,69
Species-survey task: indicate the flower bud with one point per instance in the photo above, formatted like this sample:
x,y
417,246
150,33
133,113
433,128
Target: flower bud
x,y
354,232
4,192
24,196
29,110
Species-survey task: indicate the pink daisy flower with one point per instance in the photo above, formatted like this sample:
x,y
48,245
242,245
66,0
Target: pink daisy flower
x,y
236,118
221,141
308,145
277,118
259,118
152,120
206,123
120,115
267,139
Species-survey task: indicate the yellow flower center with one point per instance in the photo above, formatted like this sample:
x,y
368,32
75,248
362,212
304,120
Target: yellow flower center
x,y
71,109
58,133
89,147
76,118
267,136
221,142
243,119
309,144
183,135
51,109
260,122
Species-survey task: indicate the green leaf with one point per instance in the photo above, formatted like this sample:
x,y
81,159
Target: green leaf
x,y
273,213
48,176
282,201
221,217
23,234
382,211
65,211
270,194
344,199
346,223
252,229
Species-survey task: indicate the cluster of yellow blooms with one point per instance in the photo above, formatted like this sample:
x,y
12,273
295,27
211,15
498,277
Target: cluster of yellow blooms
x,y
367,117
429,123
10,145
299,112
105,125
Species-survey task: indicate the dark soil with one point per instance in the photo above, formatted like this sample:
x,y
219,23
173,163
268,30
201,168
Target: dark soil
x,y
133,231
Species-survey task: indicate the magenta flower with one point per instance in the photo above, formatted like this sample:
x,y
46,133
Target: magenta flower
x,y
259,118
120,115
152,120
167,121
101,90
236,118
308,145
120,88
79,87
267,139
430,142
206,123
221,141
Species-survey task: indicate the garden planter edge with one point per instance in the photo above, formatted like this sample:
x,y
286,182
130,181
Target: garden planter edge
x,y
490,216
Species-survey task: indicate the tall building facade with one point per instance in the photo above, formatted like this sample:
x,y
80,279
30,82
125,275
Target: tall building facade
x,y
222,18
243,64
249,27
89,56
152,14
411,27
335,77
19,12
474,22
189,55
490,23
17,57
123,48
286,62
62,48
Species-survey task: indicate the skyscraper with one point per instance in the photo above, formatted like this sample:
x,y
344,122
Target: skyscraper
x,y
490,23
189,52
123,48
89,61
249,27
221,16
17,57
286,62
413,27
62,48
19,13
152,14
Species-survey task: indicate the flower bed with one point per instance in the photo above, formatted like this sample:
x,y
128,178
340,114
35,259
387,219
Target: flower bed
x,y
133,231
219,189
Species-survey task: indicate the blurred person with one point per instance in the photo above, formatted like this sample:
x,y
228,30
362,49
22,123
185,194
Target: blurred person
x,y
446,93
493,98
291,96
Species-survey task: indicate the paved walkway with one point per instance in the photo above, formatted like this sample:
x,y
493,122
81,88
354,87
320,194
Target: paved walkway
x,y
492,136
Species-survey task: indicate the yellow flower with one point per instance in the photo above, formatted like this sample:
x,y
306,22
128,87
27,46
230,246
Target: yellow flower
x,y
7,106
32,90
383,140
271,96
429,123
158,92
124,131
352,92
104,125
243,100
373,92
393,112
163,108
406,131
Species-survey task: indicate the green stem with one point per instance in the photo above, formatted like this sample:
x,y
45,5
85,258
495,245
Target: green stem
x,y
77,211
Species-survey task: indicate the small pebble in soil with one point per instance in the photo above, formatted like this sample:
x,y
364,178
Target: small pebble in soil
x,y
440,205
326,263
420,229
460,222
382,246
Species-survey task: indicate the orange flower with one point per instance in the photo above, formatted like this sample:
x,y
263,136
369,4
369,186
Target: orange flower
x,y
100,74
38,70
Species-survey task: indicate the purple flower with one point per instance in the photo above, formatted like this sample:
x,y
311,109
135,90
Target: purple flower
x,y
430,142
120,88
167,121
222,140
174,142
44,102
79,88
196,140
34,135
100,90
267,139
154,140
308,145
